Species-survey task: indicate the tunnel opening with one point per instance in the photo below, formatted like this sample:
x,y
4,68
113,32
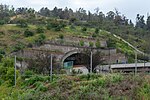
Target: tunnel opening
x,y
79,60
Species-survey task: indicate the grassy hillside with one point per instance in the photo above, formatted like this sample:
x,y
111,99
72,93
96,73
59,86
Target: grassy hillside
x,y
12,37
81,87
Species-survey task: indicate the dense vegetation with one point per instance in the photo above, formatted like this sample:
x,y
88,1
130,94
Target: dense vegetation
x,y
25,28
113,21
31,86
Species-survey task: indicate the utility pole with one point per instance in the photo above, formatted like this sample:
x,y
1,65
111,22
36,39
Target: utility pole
x,y
15,70
144,58
91,62
109,61
135,61
51,68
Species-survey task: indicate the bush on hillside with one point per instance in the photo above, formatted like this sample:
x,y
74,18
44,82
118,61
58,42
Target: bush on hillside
x,y
81,43
98,45
22,23
61,36
40,30
96,30
7,70
28,74
2,53
91,44
18,46
84,29
94,35
40,40
111,42
2,22
28,33
56,25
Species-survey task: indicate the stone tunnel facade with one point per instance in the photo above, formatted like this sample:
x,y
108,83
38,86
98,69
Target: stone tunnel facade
x,y
61,52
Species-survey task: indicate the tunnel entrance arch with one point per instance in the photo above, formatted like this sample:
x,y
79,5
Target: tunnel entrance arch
x,y
79,58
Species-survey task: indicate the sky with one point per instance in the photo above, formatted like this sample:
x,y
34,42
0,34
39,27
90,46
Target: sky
x,y
129,8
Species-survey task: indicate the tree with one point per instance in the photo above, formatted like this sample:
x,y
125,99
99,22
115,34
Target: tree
x,y
148,23
45,12
110,15
130,23
97,58
140,22
101,17
81,14
40,63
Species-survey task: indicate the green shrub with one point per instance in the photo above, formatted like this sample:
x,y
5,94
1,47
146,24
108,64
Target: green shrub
x,y
33,79
1,81
116,78
58,28
7,62
40,40
91,44
18,46
98,45
96,30
56,25
15,36
37,84
1,56
81,43
2,22
144,91
94,35
7,70
90,76
84,29
30,45
22,23
28,74
2,52
61,36
40,30
72,27
63,71
2,33
42,88
101,82
48,27
28,33
10,75
111,42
